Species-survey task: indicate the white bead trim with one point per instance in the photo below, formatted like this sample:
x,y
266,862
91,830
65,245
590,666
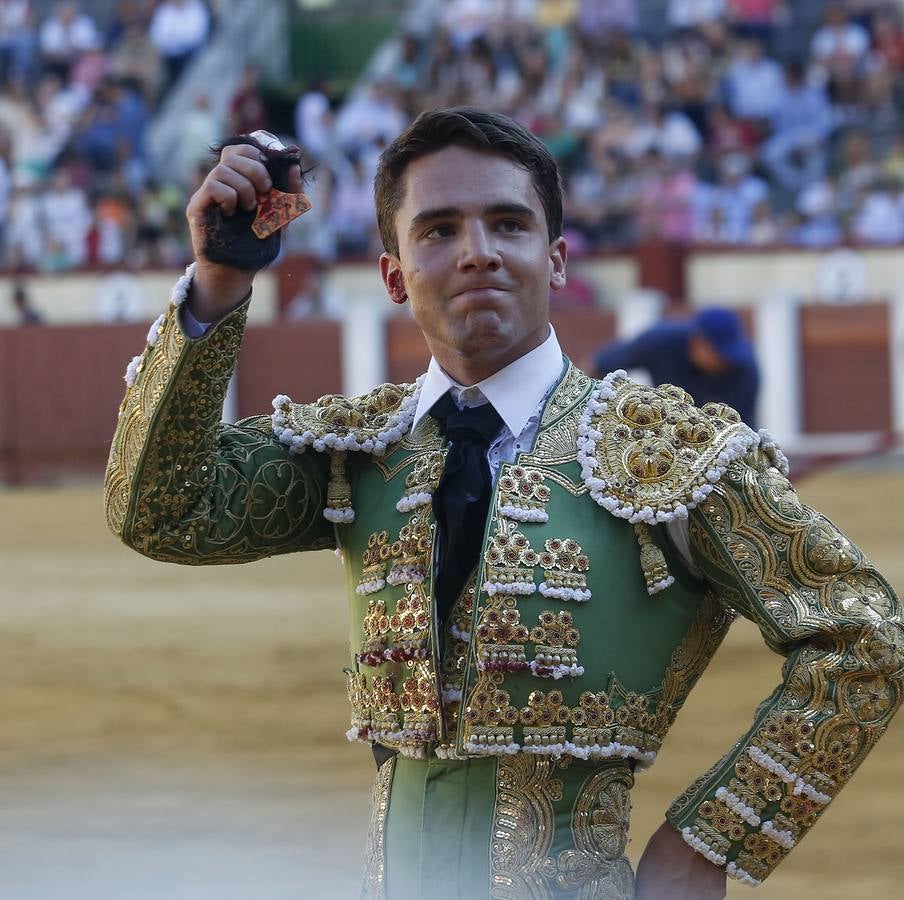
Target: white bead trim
x,y
661,585
451,695
702,847
404,574
771,448
738,806
155,329
413,501
553,750
132,370
556,672
810,792
524,588
643,758
579,595
180,290
491,749
771,765
339,516
523,514
735,871
736,446
371,587
459,634
398,425
782,838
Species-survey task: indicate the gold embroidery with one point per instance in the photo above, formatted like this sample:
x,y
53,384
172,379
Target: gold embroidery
x,y
528,789
411,552
810,589
544,719
376,634
556,639
376,556
565,568
510,562
489,716
182,487
422,481
501,638
523,495
374,848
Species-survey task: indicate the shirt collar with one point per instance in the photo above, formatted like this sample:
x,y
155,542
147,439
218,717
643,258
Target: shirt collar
x,y
515,391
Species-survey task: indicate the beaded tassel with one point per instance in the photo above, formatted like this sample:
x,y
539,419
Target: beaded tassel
x,y
652,561
338,492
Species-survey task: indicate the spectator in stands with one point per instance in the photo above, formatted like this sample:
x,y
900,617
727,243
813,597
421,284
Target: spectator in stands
x,y
858,171
795,153
315,122
724,211
352,216
665,192
135,59
17,40
839,40
66,34
371,118
599,20
756,19
818,225
179,28
879,217
754,84
699,15
200,131
764,228
708,355
66,218
669,132
24,233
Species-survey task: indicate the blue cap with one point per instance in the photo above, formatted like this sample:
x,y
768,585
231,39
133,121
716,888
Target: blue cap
x,y
723,329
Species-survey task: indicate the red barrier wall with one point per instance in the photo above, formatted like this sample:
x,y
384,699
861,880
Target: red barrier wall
x,y
60,386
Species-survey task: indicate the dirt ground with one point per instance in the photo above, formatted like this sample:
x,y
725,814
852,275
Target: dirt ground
x,y
177,733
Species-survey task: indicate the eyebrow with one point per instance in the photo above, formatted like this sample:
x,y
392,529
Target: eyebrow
x,y
452,212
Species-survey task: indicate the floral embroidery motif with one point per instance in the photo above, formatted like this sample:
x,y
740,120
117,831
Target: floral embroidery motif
x,y
544,719
490,717
501,638
523,495
510,562
419,707
411,552
410,624
376,556
556,639
376,634
565,569
421,482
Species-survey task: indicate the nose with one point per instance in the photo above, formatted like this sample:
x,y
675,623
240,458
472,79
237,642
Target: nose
x,y
478,251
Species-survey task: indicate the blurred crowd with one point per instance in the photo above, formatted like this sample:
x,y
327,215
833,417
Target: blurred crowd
x,y
731,126
76,99
732,122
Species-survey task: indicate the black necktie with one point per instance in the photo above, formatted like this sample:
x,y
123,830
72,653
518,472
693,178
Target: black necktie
x,y
462,498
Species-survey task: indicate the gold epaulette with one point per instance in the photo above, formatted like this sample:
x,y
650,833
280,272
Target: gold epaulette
x,y
649,455
336,424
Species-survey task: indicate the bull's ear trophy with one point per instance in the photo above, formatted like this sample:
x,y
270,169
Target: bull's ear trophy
x,y
250,239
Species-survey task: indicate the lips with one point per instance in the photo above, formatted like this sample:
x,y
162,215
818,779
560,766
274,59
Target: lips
x,y
480,292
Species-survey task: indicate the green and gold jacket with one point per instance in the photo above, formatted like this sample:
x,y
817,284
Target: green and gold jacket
x,y
583,629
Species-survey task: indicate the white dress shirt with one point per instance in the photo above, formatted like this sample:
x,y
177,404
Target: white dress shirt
x,y
516,392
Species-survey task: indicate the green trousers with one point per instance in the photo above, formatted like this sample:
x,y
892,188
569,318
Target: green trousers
x,y
522,826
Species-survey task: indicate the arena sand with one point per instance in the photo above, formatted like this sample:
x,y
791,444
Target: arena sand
x,y
173,732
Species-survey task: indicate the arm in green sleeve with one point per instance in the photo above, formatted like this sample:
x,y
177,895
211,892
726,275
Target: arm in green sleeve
x,y
820,603
183,487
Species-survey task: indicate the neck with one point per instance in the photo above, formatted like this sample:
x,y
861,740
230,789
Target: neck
x,y
470,368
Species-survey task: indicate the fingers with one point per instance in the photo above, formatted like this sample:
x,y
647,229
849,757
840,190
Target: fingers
x,y
295,180
234,182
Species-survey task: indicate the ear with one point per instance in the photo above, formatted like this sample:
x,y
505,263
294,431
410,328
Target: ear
x,y
393,279
558,255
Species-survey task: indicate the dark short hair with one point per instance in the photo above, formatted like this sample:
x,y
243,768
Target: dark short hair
x,y
475,129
